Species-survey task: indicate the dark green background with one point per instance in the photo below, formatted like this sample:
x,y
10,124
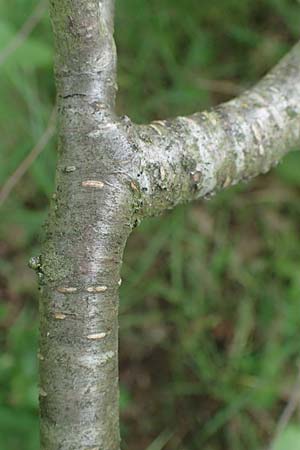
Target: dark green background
x,y
210,304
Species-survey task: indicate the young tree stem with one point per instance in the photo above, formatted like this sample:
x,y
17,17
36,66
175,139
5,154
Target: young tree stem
x,y
110,174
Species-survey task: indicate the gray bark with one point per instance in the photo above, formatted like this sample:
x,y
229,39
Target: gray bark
x,y
110,174
192,157
89,221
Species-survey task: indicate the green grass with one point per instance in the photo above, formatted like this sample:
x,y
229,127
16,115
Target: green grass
x,y
210,323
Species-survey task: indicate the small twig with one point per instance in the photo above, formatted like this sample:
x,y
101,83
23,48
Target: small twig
x,y
288,412
30,158
24,31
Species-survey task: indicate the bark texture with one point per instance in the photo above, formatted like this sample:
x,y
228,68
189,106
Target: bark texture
x,y
90,219
110,174
191,157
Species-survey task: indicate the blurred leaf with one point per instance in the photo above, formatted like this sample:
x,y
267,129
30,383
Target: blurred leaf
x,y
289,439
289,169
125,397
31,54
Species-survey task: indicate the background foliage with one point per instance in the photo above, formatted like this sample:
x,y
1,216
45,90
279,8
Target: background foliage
x,y
210,322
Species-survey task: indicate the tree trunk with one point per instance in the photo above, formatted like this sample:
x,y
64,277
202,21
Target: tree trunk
x,y
88,225
110,174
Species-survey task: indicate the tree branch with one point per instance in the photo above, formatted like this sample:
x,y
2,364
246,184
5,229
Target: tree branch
x,y
191,157
85,56
109,173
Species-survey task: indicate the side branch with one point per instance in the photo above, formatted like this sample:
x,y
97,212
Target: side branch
x,y
191,157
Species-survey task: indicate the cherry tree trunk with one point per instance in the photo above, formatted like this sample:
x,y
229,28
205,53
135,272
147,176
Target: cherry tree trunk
x,y
110,175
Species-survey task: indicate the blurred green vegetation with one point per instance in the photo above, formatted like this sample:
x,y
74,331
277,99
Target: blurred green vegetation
x,y
210,323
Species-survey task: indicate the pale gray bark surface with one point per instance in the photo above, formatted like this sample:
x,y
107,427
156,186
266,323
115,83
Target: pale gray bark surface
x,y
191,157
110,174
90,219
